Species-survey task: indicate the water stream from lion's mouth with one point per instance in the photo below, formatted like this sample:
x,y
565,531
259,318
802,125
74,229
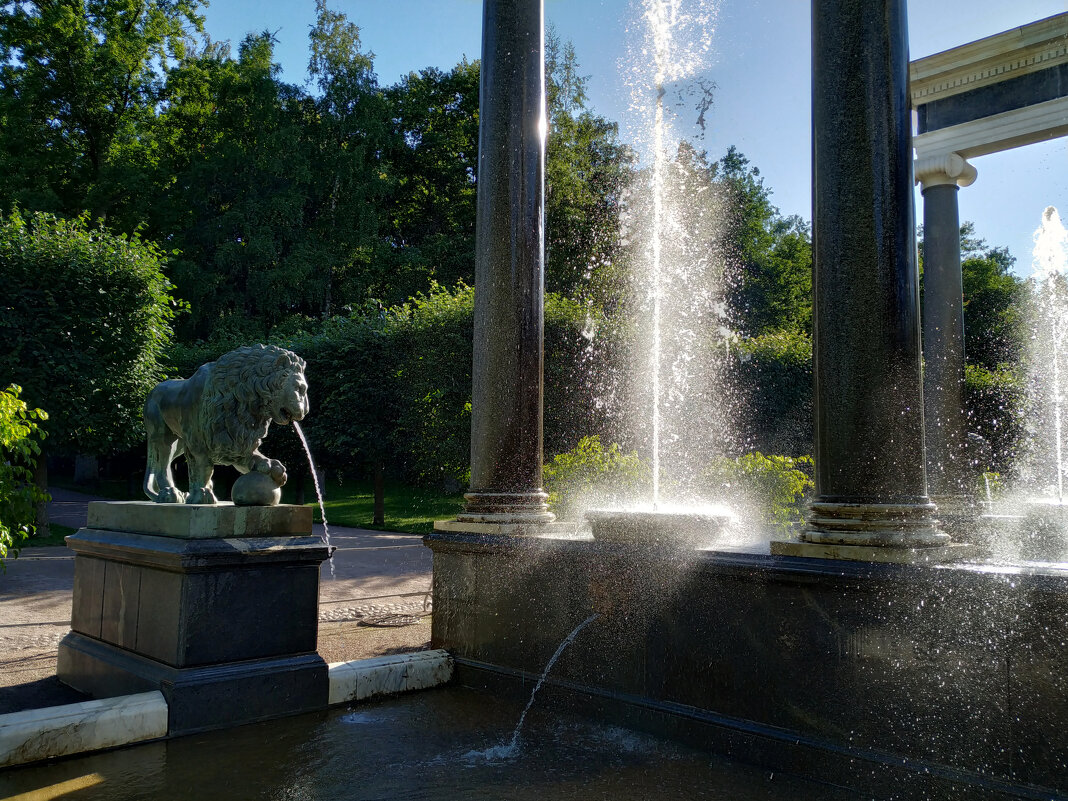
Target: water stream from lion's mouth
x,y
318,494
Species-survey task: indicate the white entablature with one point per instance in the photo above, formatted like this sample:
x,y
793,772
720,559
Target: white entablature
x,y
1022,51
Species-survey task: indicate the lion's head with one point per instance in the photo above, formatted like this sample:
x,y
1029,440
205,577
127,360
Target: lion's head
x,y
246,389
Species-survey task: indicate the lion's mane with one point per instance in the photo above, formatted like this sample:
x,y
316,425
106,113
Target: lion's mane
x,y
236,404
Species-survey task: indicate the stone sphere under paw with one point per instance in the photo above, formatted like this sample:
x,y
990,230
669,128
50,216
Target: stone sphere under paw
x,y
256,489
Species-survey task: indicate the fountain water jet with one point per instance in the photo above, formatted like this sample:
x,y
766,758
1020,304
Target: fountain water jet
x,y
318,495
1042,533
1050,265
509,749
683,286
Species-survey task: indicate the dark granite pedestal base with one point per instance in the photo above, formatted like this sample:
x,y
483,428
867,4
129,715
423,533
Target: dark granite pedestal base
x,y
199,698
226,628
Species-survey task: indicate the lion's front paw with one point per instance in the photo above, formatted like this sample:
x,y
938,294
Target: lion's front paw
x,y
170,495
202,495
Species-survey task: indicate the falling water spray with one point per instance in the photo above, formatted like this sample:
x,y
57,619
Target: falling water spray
x,y
318,494
678,33
1050,262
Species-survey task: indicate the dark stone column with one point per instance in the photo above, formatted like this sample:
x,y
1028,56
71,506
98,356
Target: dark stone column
x,y
943,329
870,477
506,413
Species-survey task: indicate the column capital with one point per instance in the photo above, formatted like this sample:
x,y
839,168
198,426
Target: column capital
x,y
947,169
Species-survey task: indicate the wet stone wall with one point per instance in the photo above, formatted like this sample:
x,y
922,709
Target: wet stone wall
x,y
921,680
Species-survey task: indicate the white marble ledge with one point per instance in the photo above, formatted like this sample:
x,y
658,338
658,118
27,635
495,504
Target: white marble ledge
x,y
76,728
387,675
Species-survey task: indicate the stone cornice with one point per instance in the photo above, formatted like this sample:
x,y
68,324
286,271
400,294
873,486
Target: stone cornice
x,y
1029,48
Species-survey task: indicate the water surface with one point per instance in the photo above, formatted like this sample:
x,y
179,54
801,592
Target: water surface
x,y
439,745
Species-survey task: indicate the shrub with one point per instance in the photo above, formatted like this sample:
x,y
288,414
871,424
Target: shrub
x,y
431,347
19,447
84,320
772,375
771,488
589,471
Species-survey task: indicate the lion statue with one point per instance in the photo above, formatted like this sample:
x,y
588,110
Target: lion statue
x,y
220,416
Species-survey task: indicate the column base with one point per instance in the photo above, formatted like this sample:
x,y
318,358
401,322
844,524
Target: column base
x,y
879,525
507,508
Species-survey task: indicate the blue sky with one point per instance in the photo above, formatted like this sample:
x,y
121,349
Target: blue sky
x,y
759,61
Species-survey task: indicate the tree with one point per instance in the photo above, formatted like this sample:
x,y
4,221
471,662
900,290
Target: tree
x,y
84,320
352,369
429,229
271,193
348,131
770,256
587,172
79,81
234,173
20,448
994,302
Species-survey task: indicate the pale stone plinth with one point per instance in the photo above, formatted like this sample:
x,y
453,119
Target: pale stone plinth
x,y
38,734
953,552
388,675
196,522
555,529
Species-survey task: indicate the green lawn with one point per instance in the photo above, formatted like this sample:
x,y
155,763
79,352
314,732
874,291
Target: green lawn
x,y
55,538
411,510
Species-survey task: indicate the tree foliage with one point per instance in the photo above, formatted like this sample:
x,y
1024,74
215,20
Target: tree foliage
x,y
20,447
84,320
429,233
588,171
79,80
590,472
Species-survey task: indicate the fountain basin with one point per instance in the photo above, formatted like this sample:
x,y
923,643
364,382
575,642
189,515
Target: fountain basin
x,y
685,528
895,680
1043,532
432,746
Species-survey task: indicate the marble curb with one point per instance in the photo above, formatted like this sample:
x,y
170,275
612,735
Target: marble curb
x,y
386,675
54,731
38,734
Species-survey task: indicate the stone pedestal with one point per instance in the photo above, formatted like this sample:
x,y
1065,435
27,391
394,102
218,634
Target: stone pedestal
x,y
221,619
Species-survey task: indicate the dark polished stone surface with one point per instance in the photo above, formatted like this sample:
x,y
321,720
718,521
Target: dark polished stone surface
x,y
877,676
506,413
201,698
1015,93
206,621
869,406
943,342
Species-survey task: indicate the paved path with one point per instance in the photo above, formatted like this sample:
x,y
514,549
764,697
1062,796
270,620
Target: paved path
x,y
374,573
369,567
